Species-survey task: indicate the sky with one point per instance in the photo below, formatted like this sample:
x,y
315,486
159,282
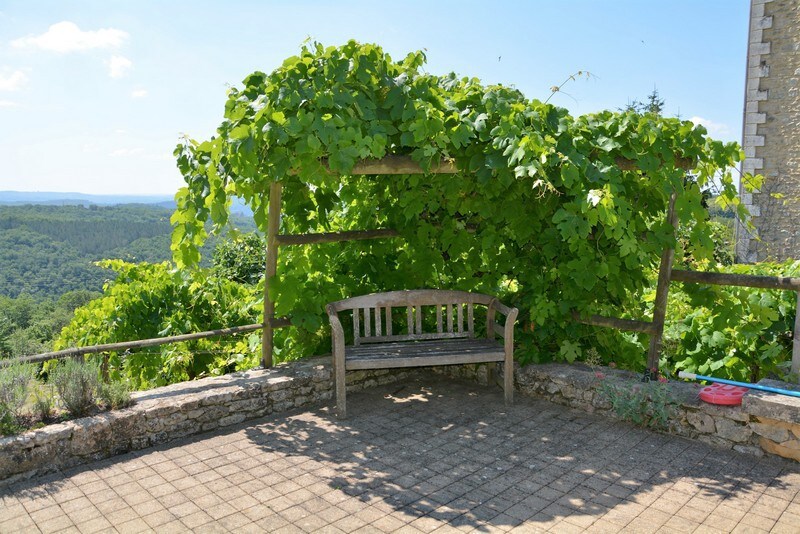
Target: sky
x,y
94,95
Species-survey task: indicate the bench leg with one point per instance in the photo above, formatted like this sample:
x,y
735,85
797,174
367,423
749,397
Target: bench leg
x,y
341,392
508,383
491,373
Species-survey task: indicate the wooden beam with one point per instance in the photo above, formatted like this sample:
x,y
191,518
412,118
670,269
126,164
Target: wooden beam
x,y
395,164
280,322
333,237
741,280
686,164
271,268
662,292
645,327
125,345
402,164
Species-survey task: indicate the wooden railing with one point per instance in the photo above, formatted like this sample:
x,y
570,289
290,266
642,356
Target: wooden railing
x,y
126,345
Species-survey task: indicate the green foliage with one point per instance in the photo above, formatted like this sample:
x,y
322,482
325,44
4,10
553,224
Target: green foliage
x,y
42,402
76,383
28,325
241,258
155,300
46,251
539,212
738,333
115,395
15,380
648,404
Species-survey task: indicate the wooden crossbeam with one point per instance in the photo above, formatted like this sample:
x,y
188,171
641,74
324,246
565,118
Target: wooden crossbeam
x,y
402,164
616,323
333,237
741,280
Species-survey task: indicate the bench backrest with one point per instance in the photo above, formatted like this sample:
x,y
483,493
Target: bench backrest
x,y
374,315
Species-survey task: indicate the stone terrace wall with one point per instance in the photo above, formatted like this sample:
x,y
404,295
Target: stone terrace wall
x,y
764,422
164,414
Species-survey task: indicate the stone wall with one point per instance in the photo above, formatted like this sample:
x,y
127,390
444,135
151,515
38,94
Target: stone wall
x,y
164,414
764,422
770,138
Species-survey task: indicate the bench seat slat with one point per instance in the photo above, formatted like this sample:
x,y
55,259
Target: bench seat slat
x,y
423,353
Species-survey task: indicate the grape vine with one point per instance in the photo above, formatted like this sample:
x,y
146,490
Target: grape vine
x,y
540,211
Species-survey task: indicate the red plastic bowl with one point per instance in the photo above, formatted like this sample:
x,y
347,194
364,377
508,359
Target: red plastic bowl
x,y
723,394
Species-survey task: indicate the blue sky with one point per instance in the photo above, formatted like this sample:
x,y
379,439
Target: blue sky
x,y
94,95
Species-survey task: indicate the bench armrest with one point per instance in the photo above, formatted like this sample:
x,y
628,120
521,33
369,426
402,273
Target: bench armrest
x,y
508,328
337,335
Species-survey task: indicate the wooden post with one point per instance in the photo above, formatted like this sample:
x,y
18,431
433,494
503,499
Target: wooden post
x,y
796,340
273,224
662,292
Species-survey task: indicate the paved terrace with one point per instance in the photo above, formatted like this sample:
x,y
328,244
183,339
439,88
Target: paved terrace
x,y
426,455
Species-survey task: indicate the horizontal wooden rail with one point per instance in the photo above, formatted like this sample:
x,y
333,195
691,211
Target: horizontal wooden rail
x,y
616,323
394,164
125,345
334,237
401,164
742,280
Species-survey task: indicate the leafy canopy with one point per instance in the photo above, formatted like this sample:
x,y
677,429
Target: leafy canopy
x,y
540,210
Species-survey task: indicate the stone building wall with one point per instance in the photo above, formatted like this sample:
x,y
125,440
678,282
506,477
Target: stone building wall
x,y
771,136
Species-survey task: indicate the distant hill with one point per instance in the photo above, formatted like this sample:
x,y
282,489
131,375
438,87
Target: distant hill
x,y
47,250
15,198
71,199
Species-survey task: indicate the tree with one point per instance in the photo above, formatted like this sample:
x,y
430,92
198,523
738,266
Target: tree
x,y
653,105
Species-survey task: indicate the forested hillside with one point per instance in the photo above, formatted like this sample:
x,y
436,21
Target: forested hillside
x,y
46,251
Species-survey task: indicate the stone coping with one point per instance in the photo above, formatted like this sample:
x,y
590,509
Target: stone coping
x,y
774,406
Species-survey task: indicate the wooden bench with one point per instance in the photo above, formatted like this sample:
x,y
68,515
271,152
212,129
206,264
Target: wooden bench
x,y
377,344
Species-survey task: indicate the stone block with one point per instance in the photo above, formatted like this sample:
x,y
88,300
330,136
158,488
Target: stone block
x,y
772,432
763,23
754,140
775,448
749,449
701,421
231,419
732,430
759,48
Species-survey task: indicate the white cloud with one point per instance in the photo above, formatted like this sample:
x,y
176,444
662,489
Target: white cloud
x,y
13,81
65,37
8,104
119,66
123,152
139,93
715,129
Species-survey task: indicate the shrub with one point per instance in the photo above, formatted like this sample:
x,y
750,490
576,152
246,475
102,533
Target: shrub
x,y
647,404
42,405
15,380
76,383
115,395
